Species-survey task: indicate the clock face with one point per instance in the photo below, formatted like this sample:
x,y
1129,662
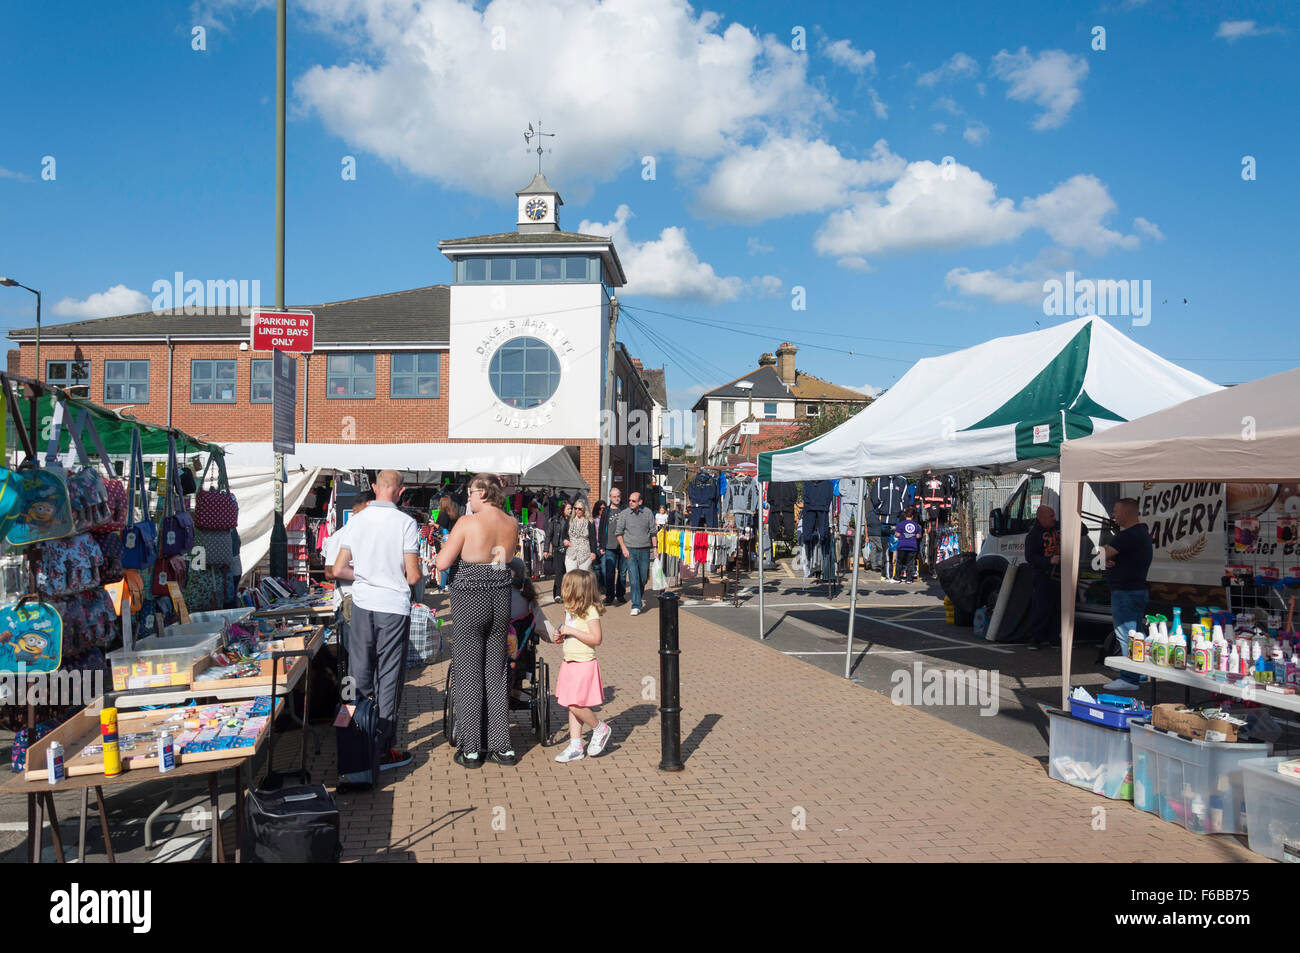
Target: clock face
x,y
535,209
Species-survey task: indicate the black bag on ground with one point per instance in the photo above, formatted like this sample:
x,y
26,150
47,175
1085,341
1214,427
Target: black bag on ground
x,y
298,824
960,582
358,747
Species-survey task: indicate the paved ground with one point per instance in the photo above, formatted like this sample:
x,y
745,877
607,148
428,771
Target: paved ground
x,y
785,760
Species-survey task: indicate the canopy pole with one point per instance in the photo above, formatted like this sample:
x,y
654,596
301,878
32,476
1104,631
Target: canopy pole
x,y
1071,546
762,557
858,519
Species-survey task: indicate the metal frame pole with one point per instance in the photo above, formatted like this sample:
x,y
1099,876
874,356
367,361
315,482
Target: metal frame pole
x,y
762,557
279,554
858,520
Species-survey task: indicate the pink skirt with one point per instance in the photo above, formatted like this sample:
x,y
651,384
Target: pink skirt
x,y
579,684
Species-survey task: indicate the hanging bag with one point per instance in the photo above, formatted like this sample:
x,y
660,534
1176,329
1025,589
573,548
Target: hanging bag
x,y
86,490
218,508
139,539
114,490
177,524
43,510
31,635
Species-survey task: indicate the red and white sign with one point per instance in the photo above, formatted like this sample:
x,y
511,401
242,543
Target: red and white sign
x,y
284,331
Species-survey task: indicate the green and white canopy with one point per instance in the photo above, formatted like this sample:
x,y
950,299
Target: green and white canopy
x,y
1008,403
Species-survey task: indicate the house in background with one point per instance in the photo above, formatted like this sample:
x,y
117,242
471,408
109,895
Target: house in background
x,y
778,392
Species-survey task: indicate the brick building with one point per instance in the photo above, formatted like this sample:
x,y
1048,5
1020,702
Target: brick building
x,y
515,349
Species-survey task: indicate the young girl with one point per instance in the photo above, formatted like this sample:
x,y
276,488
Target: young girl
x,y
578,686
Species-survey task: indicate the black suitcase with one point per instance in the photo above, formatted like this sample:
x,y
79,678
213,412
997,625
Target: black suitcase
x,y
358,748
298,824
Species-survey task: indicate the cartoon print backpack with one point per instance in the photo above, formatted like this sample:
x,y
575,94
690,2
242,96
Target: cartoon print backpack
x,y
31,635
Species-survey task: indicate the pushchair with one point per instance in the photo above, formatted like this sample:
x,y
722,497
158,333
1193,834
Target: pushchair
x,y
528,678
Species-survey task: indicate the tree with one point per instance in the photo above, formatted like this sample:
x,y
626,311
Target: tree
x,y
832,416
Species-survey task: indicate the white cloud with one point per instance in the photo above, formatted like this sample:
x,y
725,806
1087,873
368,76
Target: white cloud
x,y
766,285
948,105
667,266
424,88
925,210
1051,80
11,174
1234,30
939,127
871,390
757,246
117,300
877,105
784,176
997,286
1150,229
975,133
842,53
854,263
958,65
1073,212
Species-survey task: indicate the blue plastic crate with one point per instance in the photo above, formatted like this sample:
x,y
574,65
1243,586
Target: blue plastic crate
x,y
1110,715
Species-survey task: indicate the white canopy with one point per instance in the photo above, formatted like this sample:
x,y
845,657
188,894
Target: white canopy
x,y
254,489
1244,434
534,464
1007,402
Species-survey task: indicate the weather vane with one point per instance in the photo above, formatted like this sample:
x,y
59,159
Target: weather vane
x,y
530,135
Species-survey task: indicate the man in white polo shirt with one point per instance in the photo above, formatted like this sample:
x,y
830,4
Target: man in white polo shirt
x,y
382,544
342,590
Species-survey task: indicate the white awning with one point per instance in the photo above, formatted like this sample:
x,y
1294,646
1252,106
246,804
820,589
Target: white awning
x,y
532,464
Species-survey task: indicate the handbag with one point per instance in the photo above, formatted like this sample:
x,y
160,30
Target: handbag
x,y
216,545
110,547
203,590
114,493
139,539
178,525
31,636
218,508
167,569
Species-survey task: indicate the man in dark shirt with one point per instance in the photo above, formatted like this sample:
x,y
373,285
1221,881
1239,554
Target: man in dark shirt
x,y
1043,554
1128,557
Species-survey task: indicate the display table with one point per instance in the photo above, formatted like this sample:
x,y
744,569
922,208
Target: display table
x,y
316,613
83,727
1191,679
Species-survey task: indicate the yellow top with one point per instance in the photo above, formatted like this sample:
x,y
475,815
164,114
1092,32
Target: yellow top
x,y
576,650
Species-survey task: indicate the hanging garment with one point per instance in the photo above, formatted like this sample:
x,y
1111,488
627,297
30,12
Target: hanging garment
x,y
817,495
888,498
743,495
703,494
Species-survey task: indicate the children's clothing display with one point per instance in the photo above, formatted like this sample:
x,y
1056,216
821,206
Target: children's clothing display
x,y
703,494
706,551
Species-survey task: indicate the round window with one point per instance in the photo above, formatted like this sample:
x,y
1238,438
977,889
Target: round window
x,y
524,373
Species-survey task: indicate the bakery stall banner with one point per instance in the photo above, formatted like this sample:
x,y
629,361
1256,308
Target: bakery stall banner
x,y
1188,526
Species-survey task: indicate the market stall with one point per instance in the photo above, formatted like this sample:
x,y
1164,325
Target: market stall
x,y
1007,404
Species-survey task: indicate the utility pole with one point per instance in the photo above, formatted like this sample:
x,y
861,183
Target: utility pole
x,y
279,555
607,404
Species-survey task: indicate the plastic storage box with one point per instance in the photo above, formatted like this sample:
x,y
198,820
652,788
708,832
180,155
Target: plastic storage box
x,y
1090,756
1273,803
160,661
1110,715
222,616
1197,784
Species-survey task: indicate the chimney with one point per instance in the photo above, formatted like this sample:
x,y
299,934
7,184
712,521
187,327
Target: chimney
x,y
766,360
785,363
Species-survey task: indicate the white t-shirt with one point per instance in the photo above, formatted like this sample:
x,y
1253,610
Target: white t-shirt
x,y
329,551
378,537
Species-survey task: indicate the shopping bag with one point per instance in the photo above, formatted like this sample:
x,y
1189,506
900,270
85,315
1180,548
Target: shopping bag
x,y
657,580
31,636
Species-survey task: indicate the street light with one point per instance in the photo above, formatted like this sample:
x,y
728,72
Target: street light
x,y
11,283
748,387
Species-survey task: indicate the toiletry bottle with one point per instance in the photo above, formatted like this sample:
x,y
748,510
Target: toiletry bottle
x,y
1234,661
1178,650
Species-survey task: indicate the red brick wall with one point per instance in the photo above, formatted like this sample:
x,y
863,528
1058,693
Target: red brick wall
x,y
378,420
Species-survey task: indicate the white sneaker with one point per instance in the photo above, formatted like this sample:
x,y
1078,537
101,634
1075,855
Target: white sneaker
x,y
571,753
599,738
636,611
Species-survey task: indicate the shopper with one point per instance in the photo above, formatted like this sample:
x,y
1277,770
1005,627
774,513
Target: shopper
x,y
556,534
661,518
636,541
380,556
614,568
342,589
908,531
580,542
1128,557
578,686
1043,554
478,553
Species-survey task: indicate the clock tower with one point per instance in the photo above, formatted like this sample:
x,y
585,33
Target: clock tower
x,y
539,206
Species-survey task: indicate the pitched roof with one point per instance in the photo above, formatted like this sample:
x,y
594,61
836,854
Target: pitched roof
x,y
539,186
527,238
810,387
655,380
767,386
417,316
772,435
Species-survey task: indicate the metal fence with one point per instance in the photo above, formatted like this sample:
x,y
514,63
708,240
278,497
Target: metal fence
x,y
985,494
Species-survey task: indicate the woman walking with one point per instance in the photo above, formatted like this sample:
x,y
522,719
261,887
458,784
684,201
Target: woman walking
x,y
478,554
556,537
580,543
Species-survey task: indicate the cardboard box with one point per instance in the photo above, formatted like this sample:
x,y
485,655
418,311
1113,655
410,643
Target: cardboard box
x,y
1188,724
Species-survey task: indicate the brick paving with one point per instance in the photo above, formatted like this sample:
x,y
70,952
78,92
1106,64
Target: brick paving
x,y
783,762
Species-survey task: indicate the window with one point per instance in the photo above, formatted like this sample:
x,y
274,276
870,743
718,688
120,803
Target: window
x,y
769,409
67,373
500,269
525,269
728,413
212,382
476,269
126,382
524,373
350,375
813,410
528,268
259,387
575,268
414,375
550,269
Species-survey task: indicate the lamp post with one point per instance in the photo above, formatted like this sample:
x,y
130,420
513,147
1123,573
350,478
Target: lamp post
x,y
748,388
11,283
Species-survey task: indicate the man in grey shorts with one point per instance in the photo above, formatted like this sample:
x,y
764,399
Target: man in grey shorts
x,y
383,545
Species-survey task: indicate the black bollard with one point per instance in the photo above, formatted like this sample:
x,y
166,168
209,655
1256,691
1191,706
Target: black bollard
x,y
670,708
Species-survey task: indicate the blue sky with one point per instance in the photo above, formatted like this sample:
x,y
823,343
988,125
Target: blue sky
x,y
794,147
